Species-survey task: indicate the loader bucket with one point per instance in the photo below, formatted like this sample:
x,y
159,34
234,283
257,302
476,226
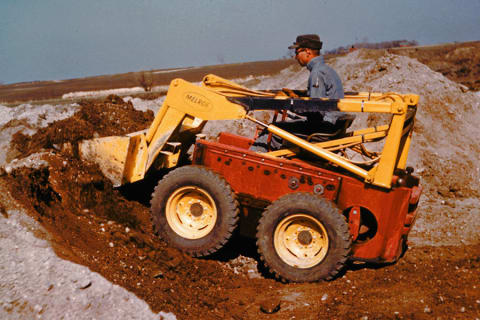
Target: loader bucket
x,y
120,158
109,153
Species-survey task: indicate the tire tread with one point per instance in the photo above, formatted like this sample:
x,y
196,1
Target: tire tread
x,y
212,177
327,206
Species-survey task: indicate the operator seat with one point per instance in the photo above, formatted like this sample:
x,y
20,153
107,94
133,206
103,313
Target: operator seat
x,y
325,131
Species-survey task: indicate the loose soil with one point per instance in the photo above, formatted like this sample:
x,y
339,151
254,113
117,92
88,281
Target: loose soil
x,y
96,226
109,230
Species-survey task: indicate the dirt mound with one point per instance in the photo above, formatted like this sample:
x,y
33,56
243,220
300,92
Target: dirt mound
x,y
444,148
458,62
28,119
96,225
112,116
36,284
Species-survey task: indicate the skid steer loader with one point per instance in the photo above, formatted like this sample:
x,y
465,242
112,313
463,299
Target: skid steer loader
x,y
310,206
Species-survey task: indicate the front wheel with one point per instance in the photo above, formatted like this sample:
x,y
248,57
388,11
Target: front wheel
x,y
194,210
302,237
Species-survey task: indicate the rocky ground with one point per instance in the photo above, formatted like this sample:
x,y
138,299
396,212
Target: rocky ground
x,y
74,247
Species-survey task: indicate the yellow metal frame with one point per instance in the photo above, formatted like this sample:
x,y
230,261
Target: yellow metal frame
x,y
395,150
397,137
183,114
187,107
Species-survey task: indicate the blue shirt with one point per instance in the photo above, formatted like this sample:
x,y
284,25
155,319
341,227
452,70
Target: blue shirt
x,y
324,82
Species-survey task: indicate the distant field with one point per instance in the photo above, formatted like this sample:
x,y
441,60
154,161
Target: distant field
x,y
53,90
459,62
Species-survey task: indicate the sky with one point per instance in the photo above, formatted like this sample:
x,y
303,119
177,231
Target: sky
x,y
65,39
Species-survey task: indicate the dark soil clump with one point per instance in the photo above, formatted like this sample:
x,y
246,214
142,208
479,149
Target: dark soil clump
x,y
109,117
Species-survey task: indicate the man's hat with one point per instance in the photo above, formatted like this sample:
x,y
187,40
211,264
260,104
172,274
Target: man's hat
x,y
311,41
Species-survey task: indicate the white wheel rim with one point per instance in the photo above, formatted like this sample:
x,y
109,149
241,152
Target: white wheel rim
x,y
191,212
301,241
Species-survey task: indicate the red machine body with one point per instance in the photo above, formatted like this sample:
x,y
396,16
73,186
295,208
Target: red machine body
x,y
379,219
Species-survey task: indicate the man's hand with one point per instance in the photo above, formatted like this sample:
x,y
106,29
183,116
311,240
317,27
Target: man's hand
x,y
290,93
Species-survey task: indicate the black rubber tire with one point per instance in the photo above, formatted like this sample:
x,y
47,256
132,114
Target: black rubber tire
x,y
324,211
217,188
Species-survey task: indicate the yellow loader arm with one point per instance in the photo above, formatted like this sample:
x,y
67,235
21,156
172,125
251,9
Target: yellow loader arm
x,y
187,107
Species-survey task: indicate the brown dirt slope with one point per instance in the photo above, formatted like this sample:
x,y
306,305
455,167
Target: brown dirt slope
x,y
96,226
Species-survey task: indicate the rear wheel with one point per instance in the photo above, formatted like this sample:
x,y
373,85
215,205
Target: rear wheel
x,y
302,237
194,210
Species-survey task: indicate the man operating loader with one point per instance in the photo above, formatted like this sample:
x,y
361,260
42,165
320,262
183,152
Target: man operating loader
x,y
323,82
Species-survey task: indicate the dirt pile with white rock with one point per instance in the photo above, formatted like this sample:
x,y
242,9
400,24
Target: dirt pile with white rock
x,y
445,145
36,283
